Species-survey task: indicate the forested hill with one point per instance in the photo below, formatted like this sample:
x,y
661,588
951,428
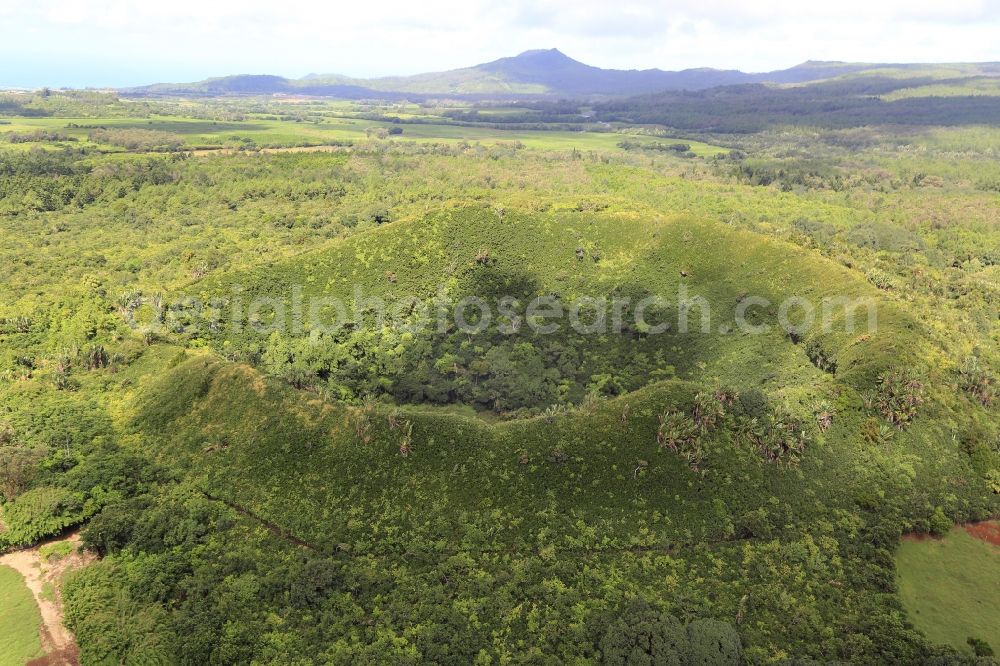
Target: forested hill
x,y
542,72
855,101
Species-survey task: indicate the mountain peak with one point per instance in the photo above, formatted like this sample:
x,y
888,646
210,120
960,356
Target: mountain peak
x,y
546,58
529,65
533,53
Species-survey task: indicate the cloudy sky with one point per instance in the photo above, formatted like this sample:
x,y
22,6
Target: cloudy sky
x,y
117,43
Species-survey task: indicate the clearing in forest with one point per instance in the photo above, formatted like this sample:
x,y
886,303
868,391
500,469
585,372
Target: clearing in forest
x,y
950,587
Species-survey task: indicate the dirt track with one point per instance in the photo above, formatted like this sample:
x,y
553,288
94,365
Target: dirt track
x,y
58,642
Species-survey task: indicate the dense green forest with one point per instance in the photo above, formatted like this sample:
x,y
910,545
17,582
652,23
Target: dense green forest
x,y
262,487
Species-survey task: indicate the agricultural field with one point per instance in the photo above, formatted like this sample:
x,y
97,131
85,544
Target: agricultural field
x,y
19,620
288,372
325,128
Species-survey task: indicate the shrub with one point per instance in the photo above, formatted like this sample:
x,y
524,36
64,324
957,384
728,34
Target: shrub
x,y
641,636
109,531
707,411
644,638
39,136
825,413
54,552
881,279
137,139
18,467
885,237
676,431
939,523
898,396
777,437
980,647
39,513
713,643
784,439
95,356
755,524
111,627
821,232
752,403
975,380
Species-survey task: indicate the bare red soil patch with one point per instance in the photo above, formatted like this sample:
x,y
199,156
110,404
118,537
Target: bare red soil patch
x,y
987,530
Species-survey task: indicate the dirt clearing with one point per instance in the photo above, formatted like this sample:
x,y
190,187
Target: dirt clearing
x,y
43,576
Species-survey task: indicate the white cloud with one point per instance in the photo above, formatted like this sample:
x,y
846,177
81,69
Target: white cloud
x,y
118,42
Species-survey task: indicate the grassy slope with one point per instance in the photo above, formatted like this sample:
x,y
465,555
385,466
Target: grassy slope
x,y
951,588
19,620
247,439
638,251
665,532
963,88
643,251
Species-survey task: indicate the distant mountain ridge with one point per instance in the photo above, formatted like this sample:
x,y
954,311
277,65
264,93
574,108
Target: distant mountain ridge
x,y
536,73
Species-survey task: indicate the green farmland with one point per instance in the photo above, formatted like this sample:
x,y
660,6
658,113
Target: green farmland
x,y
19,620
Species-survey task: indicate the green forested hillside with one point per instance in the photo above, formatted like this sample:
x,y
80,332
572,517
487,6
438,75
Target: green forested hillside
x,y
395,494
564,255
